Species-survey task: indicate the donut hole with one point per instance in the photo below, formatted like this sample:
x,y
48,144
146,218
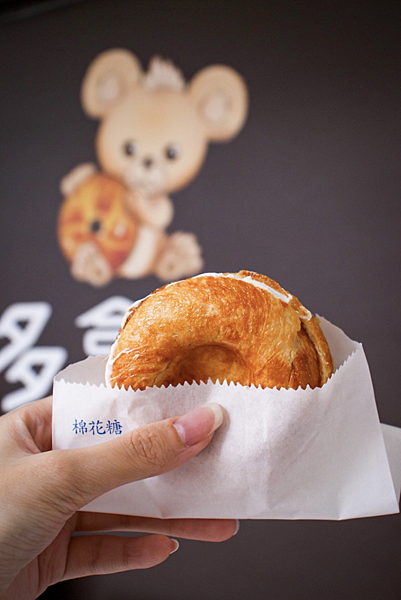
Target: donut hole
x,y
209,361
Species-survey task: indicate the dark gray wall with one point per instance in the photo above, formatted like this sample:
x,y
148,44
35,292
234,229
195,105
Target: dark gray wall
x,y
308,193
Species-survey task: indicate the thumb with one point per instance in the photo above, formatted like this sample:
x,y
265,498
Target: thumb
x,y
86,473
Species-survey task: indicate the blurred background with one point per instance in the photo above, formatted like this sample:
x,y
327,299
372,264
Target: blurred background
x,y
308,193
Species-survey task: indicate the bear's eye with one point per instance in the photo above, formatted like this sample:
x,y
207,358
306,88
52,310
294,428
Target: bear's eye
x,y
130,148
172,151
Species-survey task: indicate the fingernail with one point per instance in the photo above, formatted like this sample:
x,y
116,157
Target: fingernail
x,y
237,528
196,425
177,545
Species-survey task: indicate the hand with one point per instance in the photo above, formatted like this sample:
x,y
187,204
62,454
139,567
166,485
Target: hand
x,y
42,489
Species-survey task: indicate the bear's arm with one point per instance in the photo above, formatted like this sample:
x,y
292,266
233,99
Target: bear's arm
x,y
153,211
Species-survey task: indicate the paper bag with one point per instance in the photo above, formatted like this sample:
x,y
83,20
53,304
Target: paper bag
x,y
279,454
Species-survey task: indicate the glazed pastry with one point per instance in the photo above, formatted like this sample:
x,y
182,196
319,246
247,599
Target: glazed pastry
x,y
95,213
241,327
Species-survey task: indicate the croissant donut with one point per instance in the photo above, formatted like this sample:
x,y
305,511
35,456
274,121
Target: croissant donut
x,y
240,327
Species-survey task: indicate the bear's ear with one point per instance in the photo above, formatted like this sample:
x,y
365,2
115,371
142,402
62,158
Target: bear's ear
x,y
221,100
107,81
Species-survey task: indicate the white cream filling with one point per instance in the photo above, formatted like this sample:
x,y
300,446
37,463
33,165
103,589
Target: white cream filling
x,y
248,279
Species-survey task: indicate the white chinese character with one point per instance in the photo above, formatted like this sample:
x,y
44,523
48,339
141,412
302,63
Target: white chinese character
x,y
22,323
104,321
35,369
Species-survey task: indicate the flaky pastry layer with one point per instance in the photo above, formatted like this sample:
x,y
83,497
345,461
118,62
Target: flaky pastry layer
x,y
240,327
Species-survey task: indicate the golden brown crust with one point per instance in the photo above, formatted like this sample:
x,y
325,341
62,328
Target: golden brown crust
x,y
220,328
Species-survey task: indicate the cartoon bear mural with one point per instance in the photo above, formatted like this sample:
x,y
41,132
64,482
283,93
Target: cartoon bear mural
x,y
152,140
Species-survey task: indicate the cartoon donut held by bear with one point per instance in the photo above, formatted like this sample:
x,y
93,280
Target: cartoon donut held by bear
x,y
152,140
95,225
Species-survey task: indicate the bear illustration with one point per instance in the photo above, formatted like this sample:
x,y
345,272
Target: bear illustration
x,y
152,140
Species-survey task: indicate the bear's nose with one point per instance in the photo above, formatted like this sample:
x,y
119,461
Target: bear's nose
x,y
147,162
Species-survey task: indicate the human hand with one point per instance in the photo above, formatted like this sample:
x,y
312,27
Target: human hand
x,y
42,489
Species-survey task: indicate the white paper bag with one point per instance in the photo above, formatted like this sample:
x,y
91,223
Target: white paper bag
x,y
280,454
